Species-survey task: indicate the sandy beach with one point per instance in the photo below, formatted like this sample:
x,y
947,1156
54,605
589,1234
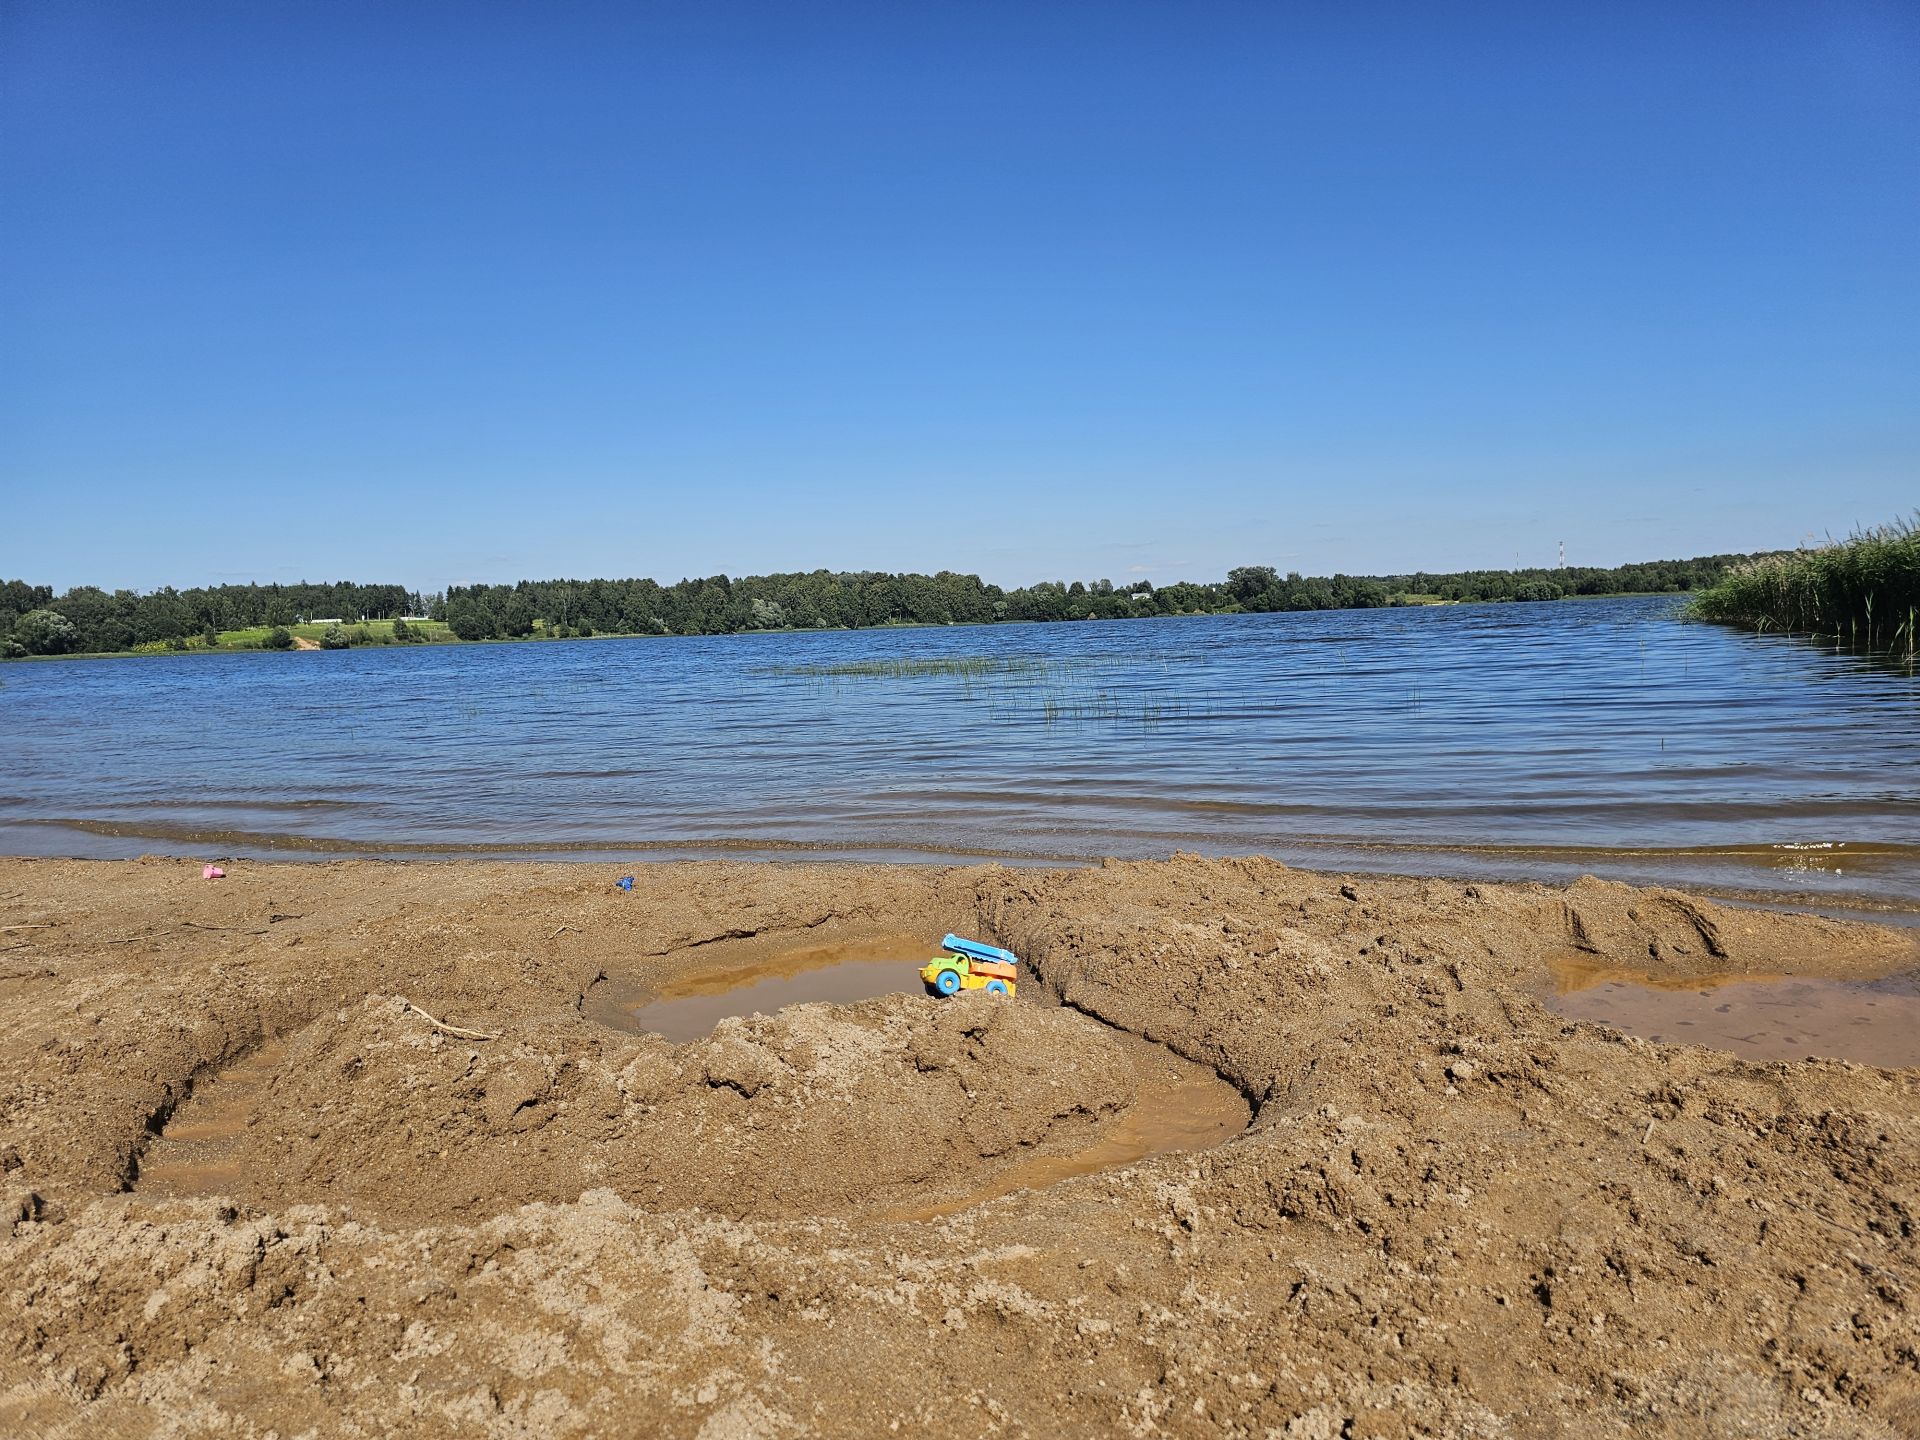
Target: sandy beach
x,y
1453,1212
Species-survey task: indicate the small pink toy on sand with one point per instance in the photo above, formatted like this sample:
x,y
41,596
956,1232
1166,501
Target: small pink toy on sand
x,y
213,872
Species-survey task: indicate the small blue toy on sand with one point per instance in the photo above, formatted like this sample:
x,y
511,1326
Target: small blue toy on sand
x,y
969,965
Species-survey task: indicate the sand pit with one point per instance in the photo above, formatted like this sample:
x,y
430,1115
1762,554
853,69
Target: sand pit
x,y
251,1188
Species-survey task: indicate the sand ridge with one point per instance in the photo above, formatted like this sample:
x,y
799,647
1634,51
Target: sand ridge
x,y
1454,1213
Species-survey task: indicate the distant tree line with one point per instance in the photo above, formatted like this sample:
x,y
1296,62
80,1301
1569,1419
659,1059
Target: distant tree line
x,y
88,620
35,621
1257,587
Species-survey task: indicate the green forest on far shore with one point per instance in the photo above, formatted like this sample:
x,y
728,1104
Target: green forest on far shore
x,y
88,620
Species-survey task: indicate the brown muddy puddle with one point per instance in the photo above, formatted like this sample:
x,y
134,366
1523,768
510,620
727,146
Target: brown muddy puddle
x,y
1769,1017
194,1154
689,1005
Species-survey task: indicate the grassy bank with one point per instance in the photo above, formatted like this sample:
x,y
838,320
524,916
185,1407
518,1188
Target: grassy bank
x,y
260,637
1864,590
361,632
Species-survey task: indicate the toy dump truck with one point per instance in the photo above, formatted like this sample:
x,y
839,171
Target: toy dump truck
x,y
969,965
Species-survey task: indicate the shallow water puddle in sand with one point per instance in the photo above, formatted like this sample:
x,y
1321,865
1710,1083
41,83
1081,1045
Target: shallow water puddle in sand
x,y
688,1006
194,1153
1773,1017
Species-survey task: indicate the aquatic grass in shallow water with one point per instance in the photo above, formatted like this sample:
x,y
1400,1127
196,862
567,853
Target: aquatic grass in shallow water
x,y
1864,590
959,666
1010,685
1102,705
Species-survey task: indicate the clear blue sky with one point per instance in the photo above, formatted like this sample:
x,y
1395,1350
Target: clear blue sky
x,y
451,292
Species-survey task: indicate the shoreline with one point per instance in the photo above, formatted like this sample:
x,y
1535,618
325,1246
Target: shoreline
x,y
1478,861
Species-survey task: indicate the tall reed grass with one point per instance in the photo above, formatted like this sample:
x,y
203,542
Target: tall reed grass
x,y
1864,591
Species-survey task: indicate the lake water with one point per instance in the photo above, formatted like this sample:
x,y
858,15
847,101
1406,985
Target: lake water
x,y
1530,740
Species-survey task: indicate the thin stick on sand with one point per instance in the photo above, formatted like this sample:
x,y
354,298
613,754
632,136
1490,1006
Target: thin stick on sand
x,y
448,1029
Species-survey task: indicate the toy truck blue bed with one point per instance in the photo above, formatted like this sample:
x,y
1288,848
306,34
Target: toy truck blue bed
x,y
974,950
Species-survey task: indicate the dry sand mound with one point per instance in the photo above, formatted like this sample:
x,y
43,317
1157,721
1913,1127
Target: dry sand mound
x,y
1455,1213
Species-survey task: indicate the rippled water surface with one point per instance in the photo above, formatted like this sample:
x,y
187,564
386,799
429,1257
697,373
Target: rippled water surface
x,y
1542,740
